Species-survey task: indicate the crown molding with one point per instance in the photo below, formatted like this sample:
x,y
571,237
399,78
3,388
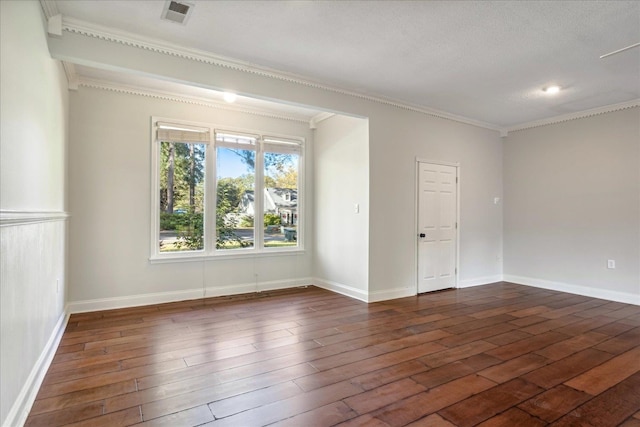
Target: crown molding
x,y
175,97
313,123
50,8
87,29
72,76
575,116
54,26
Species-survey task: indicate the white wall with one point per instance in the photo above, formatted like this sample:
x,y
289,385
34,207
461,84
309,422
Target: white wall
x,y
341,180
34,106
33,135
110,192
572,202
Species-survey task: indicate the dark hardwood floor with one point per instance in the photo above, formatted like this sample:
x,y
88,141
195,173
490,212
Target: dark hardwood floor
x,y
494,355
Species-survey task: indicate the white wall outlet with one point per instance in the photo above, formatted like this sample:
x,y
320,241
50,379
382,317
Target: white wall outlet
x,y
57,286
356,208
611,263
496,200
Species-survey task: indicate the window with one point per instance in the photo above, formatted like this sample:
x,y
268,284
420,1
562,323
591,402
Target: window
x,y
181,196
221,192
280,207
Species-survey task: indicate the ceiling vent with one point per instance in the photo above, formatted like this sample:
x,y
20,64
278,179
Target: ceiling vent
x,y
177,11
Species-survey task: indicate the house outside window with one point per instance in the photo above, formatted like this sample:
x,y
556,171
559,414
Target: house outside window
x,y
205,183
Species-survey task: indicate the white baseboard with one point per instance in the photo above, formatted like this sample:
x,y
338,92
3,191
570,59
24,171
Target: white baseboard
x,y
479,281
341,288
623,297
23,403
361,295
259,287
388,294
133,300
189,294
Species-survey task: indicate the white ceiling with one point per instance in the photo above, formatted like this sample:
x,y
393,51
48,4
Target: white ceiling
x,y
483,60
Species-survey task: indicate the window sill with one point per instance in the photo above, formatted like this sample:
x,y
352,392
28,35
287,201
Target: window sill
x,y
196,257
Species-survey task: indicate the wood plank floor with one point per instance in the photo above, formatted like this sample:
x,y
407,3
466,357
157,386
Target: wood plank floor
x,y
494,355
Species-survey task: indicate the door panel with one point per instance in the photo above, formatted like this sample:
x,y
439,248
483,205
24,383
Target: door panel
x,y
437,210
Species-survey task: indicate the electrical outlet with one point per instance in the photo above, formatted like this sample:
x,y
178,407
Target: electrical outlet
x,y
611,263
57,286
356,208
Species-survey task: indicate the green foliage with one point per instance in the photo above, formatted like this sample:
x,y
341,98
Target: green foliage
x,y
246,221
191,233
170,221
244,182
228,196
226,234
178,221
269,182
281,170
271,219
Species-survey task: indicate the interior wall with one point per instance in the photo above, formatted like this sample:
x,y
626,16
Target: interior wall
x,y
110,193
399,137
572,202
341,179
33,136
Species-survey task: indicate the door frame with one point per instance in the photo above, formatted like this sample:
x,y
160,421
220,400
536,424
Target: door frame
x,y
416,213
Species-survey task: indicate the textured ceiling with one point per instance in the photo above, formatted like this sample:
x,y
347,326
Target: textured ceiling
x,y
486,61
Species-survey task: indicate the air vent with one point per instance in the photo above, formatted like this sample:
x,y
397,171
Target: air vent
x,y
177,11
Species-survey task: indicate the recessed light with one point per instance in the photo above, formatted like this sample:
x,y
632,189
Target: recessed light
x,y
551,90
230,97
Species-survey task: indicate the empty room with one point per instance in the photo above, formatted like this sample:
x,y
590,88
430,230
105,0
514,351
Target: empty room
x,y
319,213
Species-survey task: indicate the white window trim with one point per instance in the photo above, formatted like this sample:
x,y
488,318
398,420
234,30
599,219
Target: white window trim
x,y
210,252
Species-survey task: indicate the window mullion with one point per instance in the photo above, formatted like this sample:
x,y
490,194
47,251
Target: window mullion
x,y
210,197
155,198
258,219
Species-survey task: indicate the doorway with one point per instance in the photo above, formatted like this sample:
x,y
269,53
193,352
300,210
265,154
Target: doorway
x,y
437,220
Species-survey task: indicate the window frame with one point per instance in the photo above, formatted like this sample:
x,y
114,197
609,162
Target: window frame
x,y
210,195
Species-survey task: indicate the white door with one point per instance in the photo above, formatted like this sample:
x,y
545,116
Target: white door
x,y
437,212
